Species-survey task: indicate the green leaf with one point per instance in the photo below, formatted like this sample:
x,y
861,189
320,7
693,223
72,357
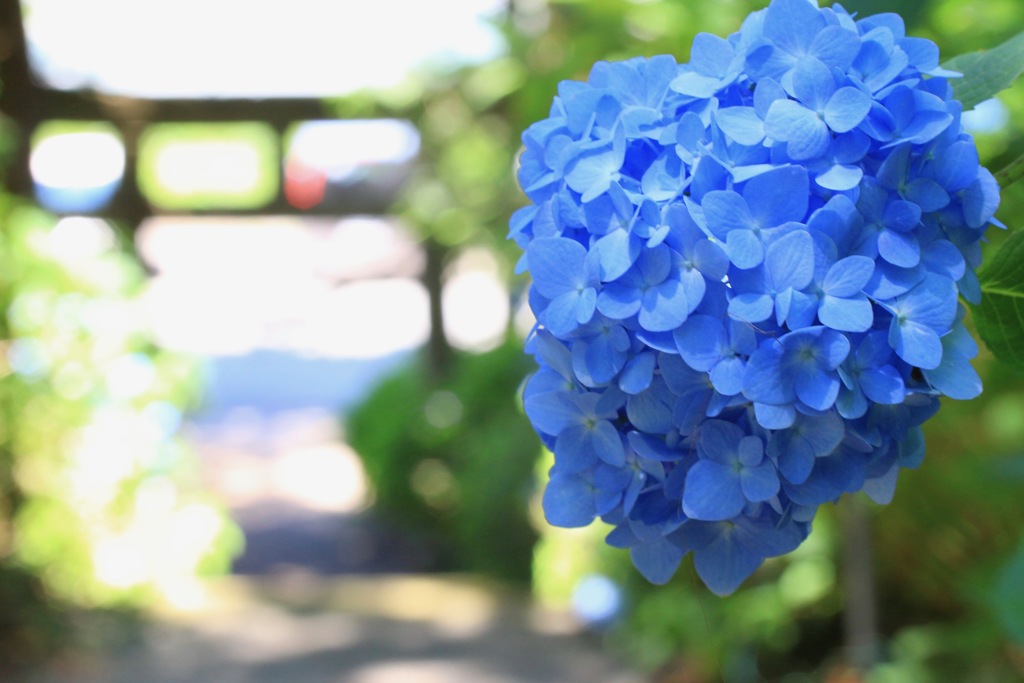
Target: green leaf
x,y
1000,317
986,72
1011,173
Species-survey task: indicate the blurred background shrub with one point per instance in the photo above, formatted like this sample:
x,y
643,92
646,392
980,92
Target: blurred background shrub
x,y
454,460
100,504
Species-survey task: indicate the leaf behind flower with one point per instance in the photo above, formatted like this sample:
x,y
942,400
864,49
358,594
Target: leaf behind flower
x,y
986,72
1000,317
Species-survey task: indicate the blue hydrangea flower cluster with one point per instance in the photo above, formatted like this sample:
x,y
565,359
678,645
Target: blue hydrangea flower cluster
x,y
746,276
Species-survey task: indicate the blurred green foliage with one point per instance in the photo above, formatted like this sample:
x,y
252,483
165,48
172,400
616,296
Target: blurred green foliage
x,y
454,460
100,505
947,549
172,176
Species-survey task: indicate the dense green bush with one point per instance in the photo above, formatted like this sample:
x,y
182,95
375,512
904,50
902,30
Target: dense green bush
x,y
454,460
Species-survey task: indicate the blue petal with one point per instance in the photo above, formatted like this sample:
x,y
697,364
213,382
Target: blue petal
x,y
654,265
648,410
637,374
569,501
792,25
889,282
899,249
927,194
597,361
836,46
955,377
701,340
923,53
712,492
656,560
710,260
981,199
915,343
696,85
778,196
846,109
554,354
942,257
690,131
759,483
617,251
574,450
727,376
694,286
833,348
726,562
711,55
803,309
818,391
830,478
789,261
847,277
659,183
956,166
774,417
881,489
725,212
561,317
762,382
744,248
551,412
930,119
664,307
840,178
823,432
719,441
893,171
883,385
750,451
556,264
618,301
652,448
846,315
592,173
607,443
813,84
806,135
586,304
742,124
751,308
932,302
970,287
767,91
796,460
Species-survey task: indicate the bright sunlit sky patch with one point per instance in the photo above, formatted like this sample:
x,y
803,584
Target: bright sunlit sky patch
x,y
347,289
251,48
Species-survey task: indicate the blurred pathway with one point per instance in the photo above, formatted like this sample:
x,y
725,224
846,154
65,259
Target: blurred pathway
x,y
327,593
297,628
300,495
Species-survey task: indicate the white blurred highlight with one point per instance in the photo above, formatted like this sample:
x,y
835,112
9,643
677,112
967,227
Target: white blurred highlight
x,y
475,301
252,48
186,168
339,148
334,289
77,160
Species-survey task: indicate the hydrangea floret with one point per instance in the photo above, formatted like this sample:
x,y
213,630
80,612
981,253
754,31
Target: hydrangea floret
x,y
746,279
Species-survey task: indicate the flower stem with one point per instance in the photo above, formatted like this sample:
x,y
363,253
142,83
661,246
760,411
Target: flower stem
x,y
860,617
